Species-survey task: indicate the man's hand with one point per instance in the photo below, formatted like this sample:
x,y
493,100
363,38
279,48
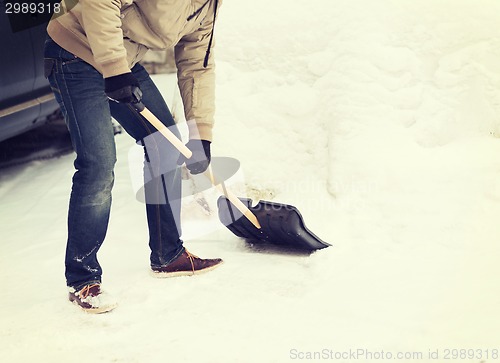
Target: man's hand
x,y
123,88
200,159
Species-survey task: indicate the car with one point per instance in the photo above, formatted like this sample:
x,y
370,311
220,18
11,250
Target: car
x,y
26,99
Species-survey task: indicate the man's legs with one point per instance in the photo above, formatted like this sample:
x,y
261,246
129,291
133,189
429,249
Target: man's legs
x,y
79,89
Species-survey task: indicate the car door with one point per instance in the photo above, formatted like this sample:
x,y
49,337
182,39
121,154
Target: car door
x,y
17,74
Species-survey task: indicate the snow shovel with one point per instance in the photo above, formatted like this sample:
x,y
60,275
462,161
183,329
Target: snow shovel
x,y
275,223
281,224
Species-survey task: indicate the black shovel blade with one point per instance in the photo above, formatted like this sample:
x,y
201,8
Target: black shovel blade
x,y
281,224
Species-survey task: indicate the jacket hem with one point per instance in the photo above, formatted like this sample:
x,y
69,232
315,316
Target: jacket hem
x,y
72,43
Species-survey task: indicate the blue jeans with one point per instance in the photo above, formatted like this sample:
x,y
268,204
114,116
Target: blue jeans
x,y
79,90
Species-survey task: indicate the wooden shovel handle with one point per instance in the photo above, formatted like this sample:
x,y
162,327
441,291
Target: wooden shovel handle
x,y
179,145
169,135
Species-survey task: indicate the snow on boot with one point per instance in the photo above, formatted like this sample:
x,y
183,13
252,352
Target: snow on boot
x,y
91,299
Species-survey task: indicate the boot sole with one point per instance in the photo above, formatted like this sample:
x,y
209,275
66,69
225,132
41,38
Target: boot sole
x,y
161,275
101,310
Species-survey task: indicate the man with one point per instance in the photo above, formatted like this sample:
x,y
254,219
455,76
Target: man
x,y
92,56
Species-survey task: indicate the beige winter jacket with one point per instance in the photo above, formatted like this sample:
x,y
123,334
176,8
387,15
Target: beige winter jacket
x,y
113,35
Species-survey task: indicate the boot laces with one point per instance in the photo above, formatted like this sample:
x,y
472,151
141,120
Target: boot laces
x,y
84,293
191,259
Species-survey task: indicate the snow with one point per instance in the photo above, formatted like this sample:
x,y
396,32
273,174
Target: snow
x,y
379,120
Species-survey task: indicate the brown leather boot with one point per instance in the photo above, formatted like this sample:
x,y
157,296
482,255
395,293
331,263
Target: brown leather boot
x,y
91,299
186,264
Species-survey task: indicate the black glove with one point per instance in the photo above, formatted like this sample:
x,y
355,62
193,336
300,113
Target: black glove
x,y
200,159
123,88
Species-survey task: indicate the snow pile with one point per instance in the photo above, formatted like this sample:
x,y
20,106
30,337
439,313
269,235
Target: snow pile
x,y
379,120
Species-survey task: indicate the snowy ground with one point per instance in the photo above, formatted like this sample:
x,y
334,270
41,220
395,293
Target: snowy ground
x,y
380,121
